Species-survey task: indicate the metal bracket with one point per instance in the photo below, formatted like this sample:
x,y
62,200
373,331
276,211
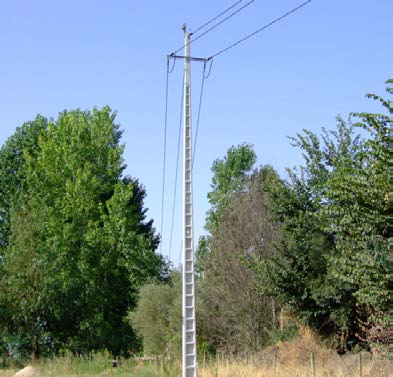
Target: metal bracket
x,y
172,56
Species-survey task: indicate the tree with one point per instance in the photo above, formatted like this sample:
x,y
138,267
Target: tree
x,y
13,176
332,263
360,214
235,315
84,240
157,317
229,176
13,187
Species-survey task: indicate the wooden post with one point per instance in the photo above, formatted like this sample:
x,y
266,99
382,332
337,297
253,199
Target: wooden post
x,y
275,358
313,364
281,319
274,320
360,365
217,364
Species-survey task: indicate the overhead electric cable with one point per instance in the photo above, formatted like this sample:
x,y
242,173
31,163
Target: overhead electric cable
x,y
180,254
173,66
177,170
215,18
204,77
260,29
214,26
199,112
164,157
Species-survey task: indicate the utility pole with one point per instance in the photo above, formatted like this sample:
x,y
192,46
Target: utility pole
x,y
189,360
189,328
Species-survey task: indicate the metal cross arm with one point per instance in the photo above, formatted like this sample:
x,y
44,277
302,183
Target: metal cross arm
x,y
172,56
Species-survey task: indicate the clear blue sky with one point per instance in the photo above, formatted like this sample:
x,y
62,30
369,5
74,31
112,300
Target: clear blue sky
x,y
300,73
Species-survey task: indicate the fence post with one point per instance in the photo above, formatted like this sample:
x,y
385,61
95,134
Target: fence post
x,y
313,364
360,365
275,358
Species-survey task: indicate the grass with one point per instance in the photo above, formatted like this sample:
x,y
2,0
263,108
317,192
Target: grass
x,y
258,366
285,359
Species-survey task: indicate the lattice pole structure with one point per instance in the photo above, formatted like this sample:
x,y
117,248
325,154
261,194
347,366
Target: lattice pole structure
x,y
189,328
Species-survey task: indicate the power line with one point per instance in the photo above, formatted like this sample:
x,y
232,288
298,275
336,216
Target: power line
x,y
260,29
180,253
204,77
222,21
164,157
218,16
177,170
214,26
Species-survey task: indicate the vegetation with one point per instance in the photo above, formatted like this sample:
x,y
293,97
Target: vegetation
x,y
157,319
332,267
287,360
79,272
77,246
315,245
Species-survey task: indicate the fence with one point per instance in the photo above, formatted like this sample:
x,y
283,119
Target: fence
x,y
305,363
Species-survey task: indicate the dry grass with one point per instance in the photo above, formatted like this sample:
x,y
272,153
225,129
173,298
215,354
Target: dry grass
x,y
293,359
342,370
346,367
286,359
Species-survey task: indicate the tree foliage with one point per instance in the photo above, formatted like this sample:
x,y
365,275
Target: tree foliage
x,y
157,317
80,246
13,175
235,315
336,213
229,175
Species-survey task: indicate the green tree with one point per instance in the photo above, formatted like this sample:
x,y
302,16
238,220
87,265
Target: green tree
x,y
13,176
13,187
84,240
332,265
229,176
157,317
360,215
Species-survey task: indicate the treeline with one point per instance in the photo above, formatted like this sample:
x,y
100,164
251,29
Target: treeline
x,y
314,246
79,271
75,244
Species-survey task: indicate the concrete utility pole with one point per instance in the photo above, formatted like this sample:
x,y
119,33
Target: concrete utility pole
x,y
189,365
189,328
